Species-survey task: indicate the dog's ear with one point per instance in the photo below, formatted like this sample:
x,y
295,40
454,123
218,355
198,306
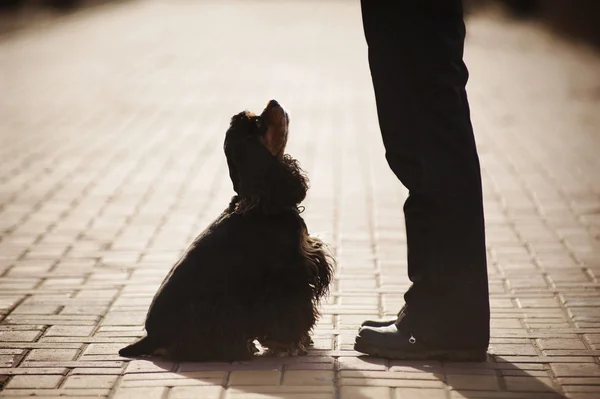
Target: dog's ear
x,y
262,180
249,163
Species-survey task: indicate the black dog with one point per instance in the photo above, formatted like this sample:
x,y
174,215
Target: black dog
x,y
254,273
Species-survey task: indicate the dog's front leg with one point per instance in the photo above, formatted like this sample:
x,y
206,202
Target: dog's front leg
x,y
252,347
281,349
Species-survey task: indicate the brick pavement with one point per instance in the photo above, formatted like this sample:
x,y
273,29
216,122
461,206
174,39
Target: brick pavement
x,y
111,126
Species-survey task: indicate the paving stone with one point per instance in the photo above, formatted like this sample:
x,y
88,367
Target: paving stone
x,y
220,375
357,392
359,363
513,349
580,380
52,355
419,393
576,369
503,395
90,381
208,392
254,378
96,371
390,382
390,375
103,349
172,382
561,343
145,366
55,393
69,331
308,377
589,395
34,381
37,309
473,382
18,336
73,363
292,392
33,371
582,388
251,395
140,393
40,345
529,384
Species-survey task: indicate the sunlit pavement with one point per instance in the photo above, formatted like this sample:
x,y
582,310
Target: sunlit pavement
x,y
111,129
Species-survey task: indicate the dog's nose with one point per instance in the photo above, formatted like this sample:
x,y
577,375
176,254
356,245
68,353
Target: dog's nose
x,y
273,103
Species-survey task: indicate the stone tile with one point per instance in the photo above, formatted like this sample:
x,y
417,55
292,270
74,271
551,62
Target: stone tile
x,y
56,393
390,375
145,366
33,371
358,392
473,382
90,381
103,349
52,354
254,378
18,336
69,331
34,381
529,384
308,377
576,369
140,393
269,391
208,392
419,393
361,363
561,343
513,349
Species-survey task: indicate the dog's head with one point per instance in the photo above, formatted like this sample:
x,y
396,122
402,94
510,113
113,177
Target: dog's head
x,y
263,176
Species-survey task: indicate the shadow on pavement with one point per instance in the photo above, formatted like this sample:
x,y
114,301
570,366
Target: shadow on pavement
x,y
496,378
577,20
363,377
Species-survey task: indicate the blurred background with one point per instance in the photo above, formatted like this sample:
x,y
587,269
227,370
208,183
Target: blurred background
x,y
577,19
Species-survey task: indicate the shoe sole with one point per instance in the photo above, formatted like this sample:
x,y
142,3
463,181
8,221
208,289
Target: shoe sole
x,y
377,324
446,355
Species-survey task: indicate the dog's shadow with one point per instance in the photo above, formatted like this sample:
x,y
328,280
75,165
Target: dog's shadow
x,y
322,374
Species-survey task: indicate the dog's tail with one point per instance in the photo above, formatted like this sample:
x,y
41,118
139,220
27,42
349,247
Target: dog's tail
x,y
321,265
142,347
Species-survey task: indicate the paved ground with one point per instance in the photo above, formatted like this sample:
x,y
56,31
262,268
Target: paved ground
x,y
111,126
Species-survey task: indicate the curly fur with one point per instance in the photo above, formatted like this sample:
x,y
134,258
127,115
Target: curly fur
x,y
253,274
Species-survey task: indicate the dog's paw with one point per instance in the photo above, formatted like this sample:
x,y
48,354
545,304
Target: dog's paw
x,y
299,350
307,340
252,347
279,349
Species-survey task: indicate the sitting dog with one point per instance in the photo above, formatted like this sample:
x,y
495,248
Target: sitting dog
x,y
254,273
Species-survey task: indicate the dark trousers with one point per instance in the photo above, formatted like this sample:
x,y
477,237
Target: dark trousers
x,y
419,78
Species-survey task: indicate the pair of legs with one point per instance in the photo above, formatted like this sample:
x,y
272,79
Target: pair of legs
x,y
419,78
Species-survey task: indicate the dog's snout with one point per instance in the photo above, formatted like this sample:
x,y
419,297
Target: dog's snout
x,y
272,104
273,108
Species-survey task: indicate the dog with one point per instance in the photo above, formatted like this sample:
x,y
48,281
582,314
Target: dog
x,y
255,274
